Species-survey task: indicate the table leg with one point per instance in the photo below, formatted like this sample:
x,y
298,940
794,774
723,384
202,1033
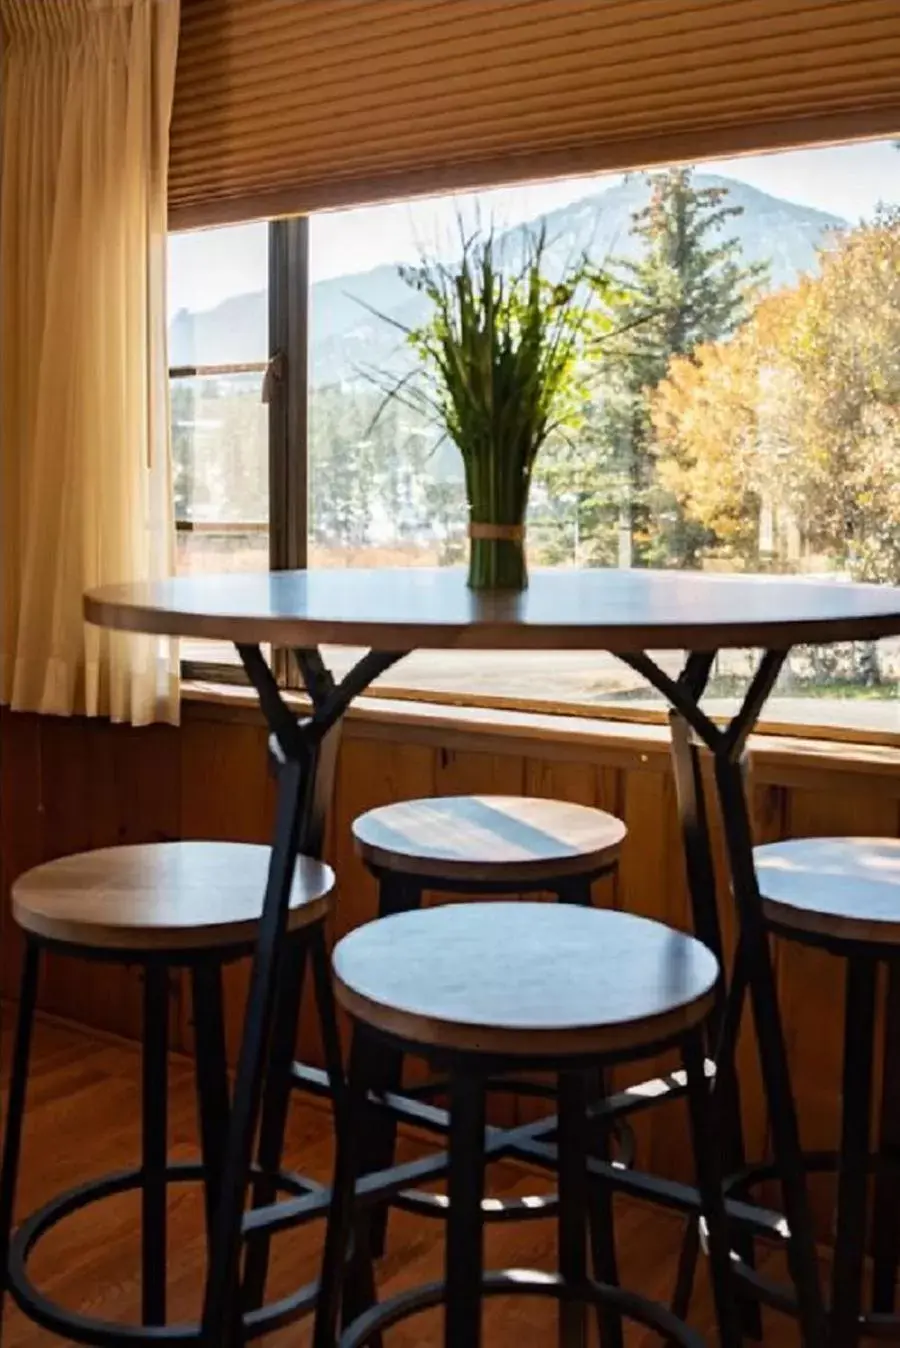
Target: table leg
x,y
221,1308
691,798
726,745
305,756
772,1054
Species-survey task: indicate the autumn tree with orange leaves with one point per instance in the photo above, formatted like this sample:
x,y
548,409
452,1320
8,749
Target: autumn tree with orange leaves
x,y
791,428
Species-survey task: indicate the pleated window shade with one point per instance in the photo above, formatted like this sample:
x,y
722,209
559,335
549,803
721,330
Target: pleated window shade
x,y
285,106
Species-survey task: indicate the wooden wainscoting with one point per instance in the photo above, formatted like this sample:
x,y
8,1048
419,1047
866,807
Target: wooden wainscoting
x,y
70,785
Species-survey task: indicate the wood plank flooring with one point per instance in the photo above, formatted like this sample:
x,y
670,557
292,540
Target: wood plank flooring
x,y
82,1119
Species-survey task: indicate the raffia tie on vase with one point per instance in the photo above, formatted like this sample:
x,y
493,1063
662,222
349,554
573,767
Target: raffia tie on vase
x,y
497,556
512,533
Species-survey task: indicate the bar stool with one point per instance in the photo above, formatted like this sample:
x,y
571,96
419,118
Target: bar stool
x,y
472,845
842,895
497,987
165,907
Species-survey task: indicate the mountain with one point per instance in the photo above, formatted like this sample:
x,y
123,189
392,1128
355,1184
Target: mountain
x,y
345,335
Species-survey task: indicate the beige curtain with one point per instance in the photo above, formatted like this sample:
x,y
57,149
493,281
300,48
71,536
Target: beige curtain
x,y
85,470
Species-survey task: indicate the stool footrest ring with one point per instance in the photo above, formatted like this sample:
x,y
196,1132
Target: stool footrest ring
x,y
780,1296
100,1333
526,1282
424,1203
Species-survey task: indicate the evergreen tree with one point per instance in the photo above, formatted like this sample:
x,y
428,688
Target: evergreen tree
x,y
687,286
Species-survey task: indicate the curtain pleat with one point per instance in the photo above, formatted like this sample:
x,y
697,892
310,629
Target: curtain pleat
x,y
85,468
294,105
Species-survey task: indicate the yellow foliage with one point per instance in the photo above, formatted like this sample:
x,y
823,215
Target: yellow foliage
x,y
798,414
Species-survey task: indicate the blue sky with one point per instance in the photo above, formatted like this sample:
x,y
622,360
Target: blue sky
x,y
207,267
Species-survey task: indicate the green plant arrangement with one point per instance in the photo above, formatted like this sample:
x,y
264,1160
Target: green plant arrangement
x,y
496,366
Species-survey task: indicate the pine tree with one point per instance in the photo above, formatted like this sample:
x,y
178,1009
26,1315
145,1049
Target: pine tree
x,y
689,285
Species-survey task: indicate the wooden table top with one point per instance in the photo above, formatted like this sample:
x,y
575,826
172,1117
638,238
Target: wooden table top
x,y
394,609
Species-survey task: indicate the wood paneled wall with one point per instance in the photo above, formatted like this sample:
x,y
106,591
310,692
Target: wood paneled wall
x,y
69,785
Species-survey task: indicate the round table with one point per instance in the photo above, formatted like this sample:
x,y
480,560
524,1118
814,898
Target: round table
x,y
626,613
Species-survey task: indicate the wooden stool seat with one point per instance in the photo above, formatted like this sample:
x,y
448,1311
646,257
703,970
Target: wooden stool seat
x,y
524,979
840,888
167,896
486,838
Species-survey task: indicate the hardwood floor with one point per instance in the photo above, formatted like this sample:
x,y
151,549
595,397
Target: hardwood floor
x,y
82,1119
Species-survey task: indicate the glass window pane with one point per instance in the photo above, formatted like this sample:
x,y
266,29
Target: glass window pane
x,y
218,315
221,480
221,468
736,398
218,296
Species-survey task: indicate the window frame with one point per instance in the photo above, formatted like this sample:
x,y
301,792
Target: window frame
x,y
286,388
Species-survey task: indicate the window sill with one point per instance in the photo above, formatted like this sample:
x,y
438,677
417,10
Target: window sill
x,y
777,759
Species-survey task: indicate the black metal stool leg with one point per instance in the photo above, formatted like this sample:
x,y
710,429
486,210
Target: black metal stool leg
x,y
601,1223
211,1074
276,1101
359,1279
349,1107
383,1071
15,1109
600,1207
572,1143
726,1020
685,1277
853,1172
886,1213
465,1227
154,1087
708,1145
579,892
360,1293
